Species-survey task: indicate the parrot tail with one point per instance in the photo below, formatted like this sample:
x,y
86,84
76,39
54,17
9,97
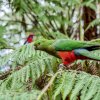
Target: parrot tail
x,y
91,48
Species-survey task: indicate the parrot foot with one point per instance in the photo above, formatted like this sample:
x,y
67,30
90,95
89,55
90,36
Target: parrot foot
x,y
61,66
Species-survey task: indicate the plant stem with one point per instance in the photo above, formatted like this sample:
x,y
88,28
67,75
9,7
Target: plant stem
x,y
48,85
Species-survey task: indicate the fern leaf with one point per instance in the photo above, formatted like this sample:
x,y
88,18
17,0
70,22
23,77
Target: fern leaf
x,y
92,89
85,88
93,23
76,85
14,95
97,96
59,84
33,69
70,80
80,81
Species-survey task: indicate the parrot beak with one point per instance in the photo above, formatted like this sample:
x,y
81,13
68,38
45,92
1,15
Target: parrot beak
x,y
25,42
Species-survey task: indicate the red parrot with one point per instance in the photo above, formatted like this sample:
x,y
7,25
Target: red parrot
x,y
66,49
69,57
69,50
29,39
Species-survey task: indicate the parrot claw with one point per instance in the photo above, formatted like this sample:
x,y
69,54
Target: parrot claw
x,y
61,66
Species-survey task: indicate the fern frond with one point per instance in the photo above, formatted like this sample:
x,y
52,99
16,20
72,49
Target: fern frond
x,y
93,23
74,85
91,4
4,44
15,95
35,68
18,56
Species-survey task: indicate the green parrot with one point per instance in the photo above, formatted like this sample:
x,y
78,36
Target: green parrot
x,y
68,50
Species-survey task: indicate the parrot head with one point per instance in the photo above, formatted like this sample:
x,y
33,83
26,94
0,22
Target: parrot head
x,y
29,39
45,45
40,44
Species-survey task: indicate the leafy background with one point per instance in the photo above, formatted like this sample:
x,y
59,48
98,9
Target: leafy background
x,y
34,74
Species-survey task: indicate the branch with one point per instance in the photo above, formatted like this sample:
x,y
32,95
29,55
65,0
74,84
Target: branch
x,y
16,21
7,73
49,84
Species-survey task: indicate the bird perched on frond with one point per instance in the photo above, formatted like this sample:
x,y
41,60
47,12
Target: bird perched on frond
x,y
68,50
29,39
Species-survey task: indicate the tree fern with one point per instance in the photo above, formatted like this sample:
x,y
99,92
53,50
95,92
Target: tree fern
x,y
15,95
31,69
91,4
35,67
93,23
83,85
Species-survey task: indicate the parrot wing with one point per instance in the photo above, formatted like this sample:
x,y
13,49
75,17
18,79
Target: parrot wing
x,y
68,44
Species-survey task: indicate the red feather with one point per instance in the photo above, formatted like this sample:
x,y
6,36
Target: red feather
x,y
29,39
69,57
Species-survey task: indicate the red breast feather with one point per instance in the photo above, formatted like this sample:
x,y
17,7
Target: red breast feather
x,y
69,57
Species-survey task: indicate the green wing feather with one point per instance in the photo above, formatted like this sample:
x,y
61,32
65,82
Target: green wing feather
x,y
68,45
88,54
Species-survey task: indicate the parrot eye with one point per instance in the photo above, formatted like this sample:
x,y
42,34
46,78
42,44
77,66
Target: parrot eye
x,y
31,36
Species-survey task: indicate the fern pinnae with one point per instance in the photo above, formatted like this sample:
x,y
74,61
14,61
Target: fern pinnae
x,y
48,65
85,88
29,50
58,86
23,54
3,85
93,23
37,70
32,74
23,74
33,69
38,53
97,95
68,84
92,89
42,66
80,81
27,74
5,59
14,95
13,85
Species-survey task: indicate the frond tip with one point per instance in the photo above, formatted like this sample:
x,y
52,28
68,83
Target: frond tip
x,y
77,85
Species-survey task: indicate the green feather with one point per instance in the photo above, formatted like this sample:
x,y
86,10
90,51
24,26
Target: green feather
x,y
88,54
68,45
52,46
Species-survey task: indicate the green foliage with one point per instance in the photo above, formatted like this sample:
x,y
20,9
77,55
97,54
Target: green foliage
x,y
51,19
93,23
15,95
90,4
2,30
3,42
33,72
35,64
74,85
